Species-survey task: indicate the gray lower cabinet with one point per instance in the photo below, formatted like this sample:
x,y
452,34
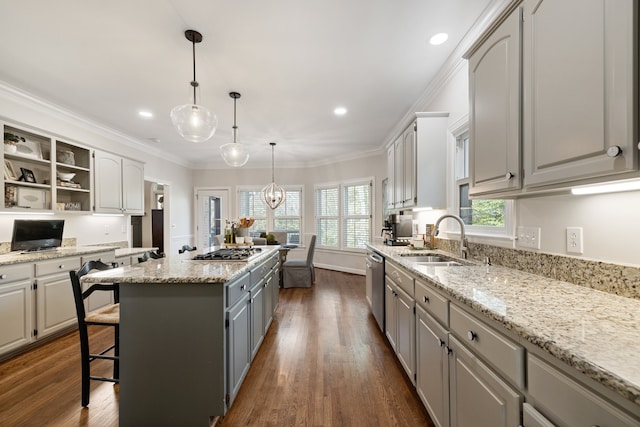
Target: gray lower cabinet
x,y
239,345
55,307
400,325
432,367
478,396
567,403
16,306
257,309
251,301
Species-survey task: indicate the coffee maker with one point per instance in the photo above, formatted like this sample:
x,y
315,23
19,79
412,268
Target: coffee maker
x,y
399,229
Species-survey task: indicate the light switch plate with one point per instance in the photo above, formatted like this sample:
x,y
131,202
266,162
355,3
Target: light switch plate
x,y
574,240
529,237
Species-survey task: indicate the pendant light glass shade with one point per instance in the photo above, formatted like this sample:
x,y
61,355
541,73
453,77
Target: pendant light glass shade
x,y
273,194
194,122
234,154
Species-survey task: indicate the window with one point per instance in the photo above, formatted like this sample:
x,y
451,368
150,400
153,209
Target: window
x,y
343,215
285,218
480,216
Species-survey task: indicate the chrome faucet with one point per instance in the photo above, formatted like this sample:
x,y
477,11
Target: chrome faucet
x,y
464,250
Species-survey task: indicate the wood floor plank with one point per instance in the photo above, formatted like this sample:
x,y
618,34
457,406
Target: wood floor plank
x,y
323,363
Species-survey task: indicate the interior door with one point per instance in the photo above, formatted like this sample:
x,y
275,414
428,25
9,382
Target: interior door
x,y
212,210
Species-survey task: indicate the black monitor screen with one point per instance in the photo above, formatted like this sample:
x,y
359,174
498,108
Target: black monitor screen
x,y
36,235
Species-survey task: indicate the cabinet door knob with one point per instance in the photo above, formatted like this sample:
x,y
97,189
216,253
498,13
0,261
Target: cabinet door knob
x,y
472,336
449,351
508,176
61,266
425,298
441,343
242,287
614,151
3,276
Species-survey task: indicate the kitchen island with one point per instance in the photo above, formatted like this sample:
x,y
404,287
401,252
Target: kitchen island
x,y
561,336
188,330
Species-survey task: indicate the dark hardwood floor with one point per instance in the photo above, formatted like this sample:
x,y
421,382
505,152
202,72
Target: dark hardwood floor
x,y
323,363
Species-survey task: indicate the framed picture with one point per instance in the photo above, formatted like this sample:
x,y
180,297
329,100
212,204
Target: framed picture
x,y
9,172
31,198
27,175
29,149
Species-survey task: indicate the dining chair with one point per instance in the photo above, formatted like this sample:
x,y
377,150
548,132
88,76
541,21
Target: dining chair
x,y
107,316
299,273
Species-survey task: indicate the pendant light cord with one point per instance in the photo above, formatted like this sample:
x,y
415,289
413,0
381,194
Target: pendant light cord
x,y
194,83
235,128
273,179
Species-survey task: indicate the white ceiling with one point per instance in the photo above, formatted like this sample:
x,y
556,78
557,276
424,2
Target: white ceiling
x,y
293,61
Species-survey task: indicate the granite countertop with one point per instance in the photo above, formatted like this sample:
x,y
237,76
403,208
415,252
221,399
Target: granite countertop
x,y
132,251
592,331
18,258
179,269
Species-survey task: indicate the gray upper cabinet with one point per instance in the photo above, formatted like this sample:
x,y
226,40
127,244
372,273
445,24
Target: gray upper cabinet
x,y
568,114
579,90
415,166
119,184
494,110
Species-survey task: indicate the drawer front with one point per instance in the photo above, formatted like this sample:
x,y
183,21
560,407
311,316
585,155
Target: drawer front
x,y
502,353
106,257
400,278
533,418
433,302
58,265
237,288
259,272
567,403
15,272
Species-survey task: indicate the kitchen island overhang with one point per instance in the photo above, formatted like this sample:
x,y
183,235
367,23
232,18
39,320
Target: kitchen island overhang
x,y
173,343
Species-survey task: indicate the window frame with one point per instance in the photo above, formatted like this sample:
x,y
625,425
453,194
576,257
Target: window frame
x,y
270,213
458,132
342,217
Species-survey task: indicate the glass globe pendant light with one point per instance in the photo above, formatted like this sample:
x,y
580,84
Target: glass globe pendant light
x,y
273,194
234,154
194,122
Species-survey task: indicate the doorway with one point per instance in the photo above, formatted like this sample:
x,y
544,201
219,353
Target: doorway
x,y
212,212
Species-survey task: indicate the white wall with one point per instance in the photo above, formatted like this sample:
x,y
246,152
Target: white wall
x,y
373,166
23,109
609,221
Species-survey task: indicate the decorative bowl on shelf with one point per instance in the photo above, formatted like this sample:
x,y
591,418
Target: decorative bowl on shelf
x,y
65,176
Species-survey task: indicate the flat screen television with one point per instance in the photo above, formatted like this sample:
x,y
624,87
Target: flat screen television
x,y
36,234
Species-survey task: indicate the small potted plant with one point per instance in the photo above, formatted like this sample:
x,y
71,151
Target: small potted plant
x,y
10,142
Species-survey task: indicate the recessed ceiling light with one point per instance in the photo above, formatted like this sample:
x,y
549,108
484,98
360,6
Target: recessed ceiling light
x,y
145,114
340,111
438,39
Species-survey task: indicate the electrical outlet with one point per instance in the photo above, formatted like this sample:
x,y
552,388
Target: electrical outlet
x,y
106,229
574,240
529,237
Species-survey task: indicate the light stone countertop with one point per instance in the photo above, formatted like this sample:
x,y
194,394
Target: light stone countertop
x,y
595,332
180,269
66,251
132,251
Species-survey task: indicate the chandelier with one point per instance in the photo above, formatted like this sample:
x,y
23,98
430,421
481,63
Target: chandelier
x,y
273,194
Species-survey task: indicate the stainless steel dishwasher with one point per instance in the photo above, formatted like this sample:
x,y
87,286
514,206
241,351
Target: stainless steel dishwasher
x,y
375,282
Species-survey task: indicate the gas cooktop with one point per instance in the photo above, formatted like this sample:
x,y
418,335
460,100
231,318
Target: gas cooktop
x,y
229,254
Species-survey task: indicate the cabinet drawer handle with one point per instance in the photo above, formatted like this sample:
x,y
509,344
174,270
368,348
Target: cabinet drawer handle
x,y
472,336
3,276
508,176
425,298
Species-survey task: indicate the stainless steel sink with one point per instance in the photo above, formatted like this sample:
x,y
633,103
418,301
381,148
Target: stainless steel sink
x,y
430,260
